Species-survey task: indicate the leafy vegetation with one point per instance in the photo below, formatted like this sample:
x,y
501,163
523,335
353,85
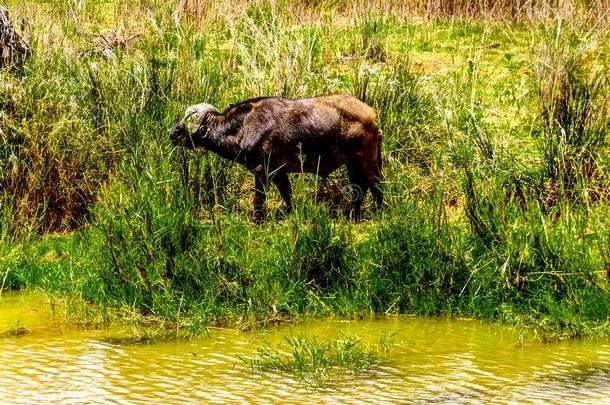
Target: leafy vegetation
x,y
495,162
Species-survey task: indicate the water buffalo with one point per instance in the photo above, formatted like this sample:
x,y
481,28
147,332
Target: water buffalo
x,y
274,136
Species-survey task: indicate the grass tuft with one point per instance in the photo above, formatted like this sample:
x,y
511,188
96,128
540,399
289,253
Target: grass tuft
x,y
318,362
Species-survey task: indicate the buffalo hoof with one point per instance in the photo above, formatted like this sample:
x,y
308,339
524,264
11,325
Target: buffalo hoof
x,y
258,217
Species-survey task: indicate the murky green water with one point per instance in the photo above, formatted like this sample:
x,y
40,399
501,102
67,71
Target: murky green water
x,y
432,360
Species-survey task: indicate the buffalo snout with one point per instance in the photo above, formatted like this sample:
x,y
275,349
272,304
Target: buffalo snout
x,y
178,133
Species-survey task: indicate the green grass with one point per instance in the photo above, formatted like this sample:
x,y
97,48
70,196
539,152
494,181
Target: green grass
x,y
318,362
488,213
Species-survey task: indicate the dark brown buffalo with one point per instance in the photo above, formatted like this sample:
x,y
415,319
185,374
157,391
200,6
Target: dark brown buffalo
x,y
274,136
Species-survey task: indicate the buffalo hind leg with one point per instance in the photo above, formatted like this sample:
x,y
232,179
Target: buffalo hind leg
x,y
283,184
364,177
376,192
373,175
360,186
377,196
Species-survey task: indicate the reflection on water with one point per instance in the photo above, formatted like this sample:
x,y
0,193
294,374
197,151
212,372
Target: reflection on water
x,y
432,360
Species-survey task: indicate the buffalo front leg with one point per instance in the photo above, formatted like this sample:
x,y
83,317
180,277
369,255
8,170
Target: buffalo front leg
x,y
260,194
283,184
359,189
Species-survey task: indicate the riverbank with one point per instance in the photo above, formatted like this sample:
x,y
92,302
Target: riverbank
x,y
495,157
238,275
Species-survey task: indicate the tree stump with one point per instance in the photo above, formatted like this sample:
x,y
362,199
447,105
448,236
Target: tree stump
x,y
13,49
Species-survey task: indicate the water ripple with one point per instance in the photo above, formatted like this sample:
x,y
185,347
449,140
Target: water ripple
x,y
432,361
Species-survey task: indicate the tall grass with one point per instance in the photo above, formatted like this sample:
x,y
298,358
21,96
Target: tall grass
x,y
576,130
522,11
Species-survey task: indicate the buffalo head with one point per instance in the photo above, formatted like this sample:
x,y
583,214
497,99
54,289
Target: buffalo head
x,y
188,131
